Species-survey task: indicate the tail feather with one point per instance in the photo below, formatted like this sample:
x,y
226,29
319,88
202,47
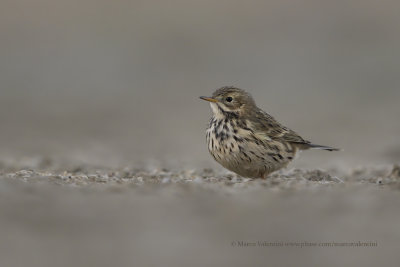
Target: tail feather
x,y
314,146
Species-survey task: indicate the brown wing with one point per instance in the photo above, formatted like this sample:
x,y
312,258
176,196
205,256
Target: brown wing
x,y
265,124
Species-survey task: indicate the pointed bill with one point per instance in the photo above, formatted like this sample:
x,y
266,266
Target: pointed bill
x,y
209,99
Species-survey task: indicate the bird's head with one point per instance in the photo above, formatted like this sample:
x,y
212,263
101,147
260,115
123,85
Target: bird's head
x,y
230,99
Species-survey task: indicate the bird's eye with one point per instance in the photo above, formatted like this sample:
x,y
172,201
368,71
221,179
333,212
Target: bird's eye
x,y
229,99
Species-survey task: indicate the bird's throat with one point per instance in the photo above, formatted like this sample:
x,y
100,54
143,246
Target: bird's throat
x,y
220,113
217,111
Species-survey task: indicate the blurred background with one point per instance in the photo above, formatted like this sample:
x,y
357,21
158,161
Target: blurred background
x,y
117,82
113,87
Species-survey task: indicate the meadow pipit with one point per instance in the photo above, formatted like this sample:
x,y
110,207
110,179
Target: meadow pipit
x,y
245,139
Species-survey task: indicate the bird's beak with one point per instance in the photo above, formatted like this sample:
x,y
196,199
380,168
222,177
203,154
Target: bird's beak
x,y
210,99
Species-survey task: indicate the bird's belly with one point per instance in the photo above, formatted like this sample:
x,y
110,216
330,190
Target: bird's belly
x,y
245,156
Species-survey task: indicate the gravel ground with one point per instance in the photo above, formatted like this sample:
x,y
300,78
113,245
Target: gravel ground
x,y
90,216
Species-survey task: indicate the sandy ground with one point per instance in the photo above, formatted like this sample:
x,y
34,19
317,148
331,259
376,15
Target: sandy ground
x,y
91,216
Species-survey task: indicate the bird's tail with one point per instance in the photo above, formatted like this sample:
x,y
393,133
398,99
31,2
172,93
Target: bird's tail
x,y
314,146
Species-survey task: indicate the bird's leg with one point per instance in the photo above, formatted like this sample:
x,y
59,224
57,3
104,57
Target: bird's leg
x,y
264,175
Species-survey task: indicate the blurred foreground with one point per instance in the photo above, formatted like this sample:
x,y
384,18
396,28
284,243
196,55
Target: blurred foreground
x,y
87,216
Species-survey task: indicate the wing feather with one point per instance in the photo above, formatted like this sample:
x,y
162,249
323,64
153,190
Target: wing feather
x,y
266,125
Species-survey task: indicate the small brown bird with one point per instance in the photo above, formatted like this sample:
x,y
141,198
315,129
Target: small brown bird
x,y
248,141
